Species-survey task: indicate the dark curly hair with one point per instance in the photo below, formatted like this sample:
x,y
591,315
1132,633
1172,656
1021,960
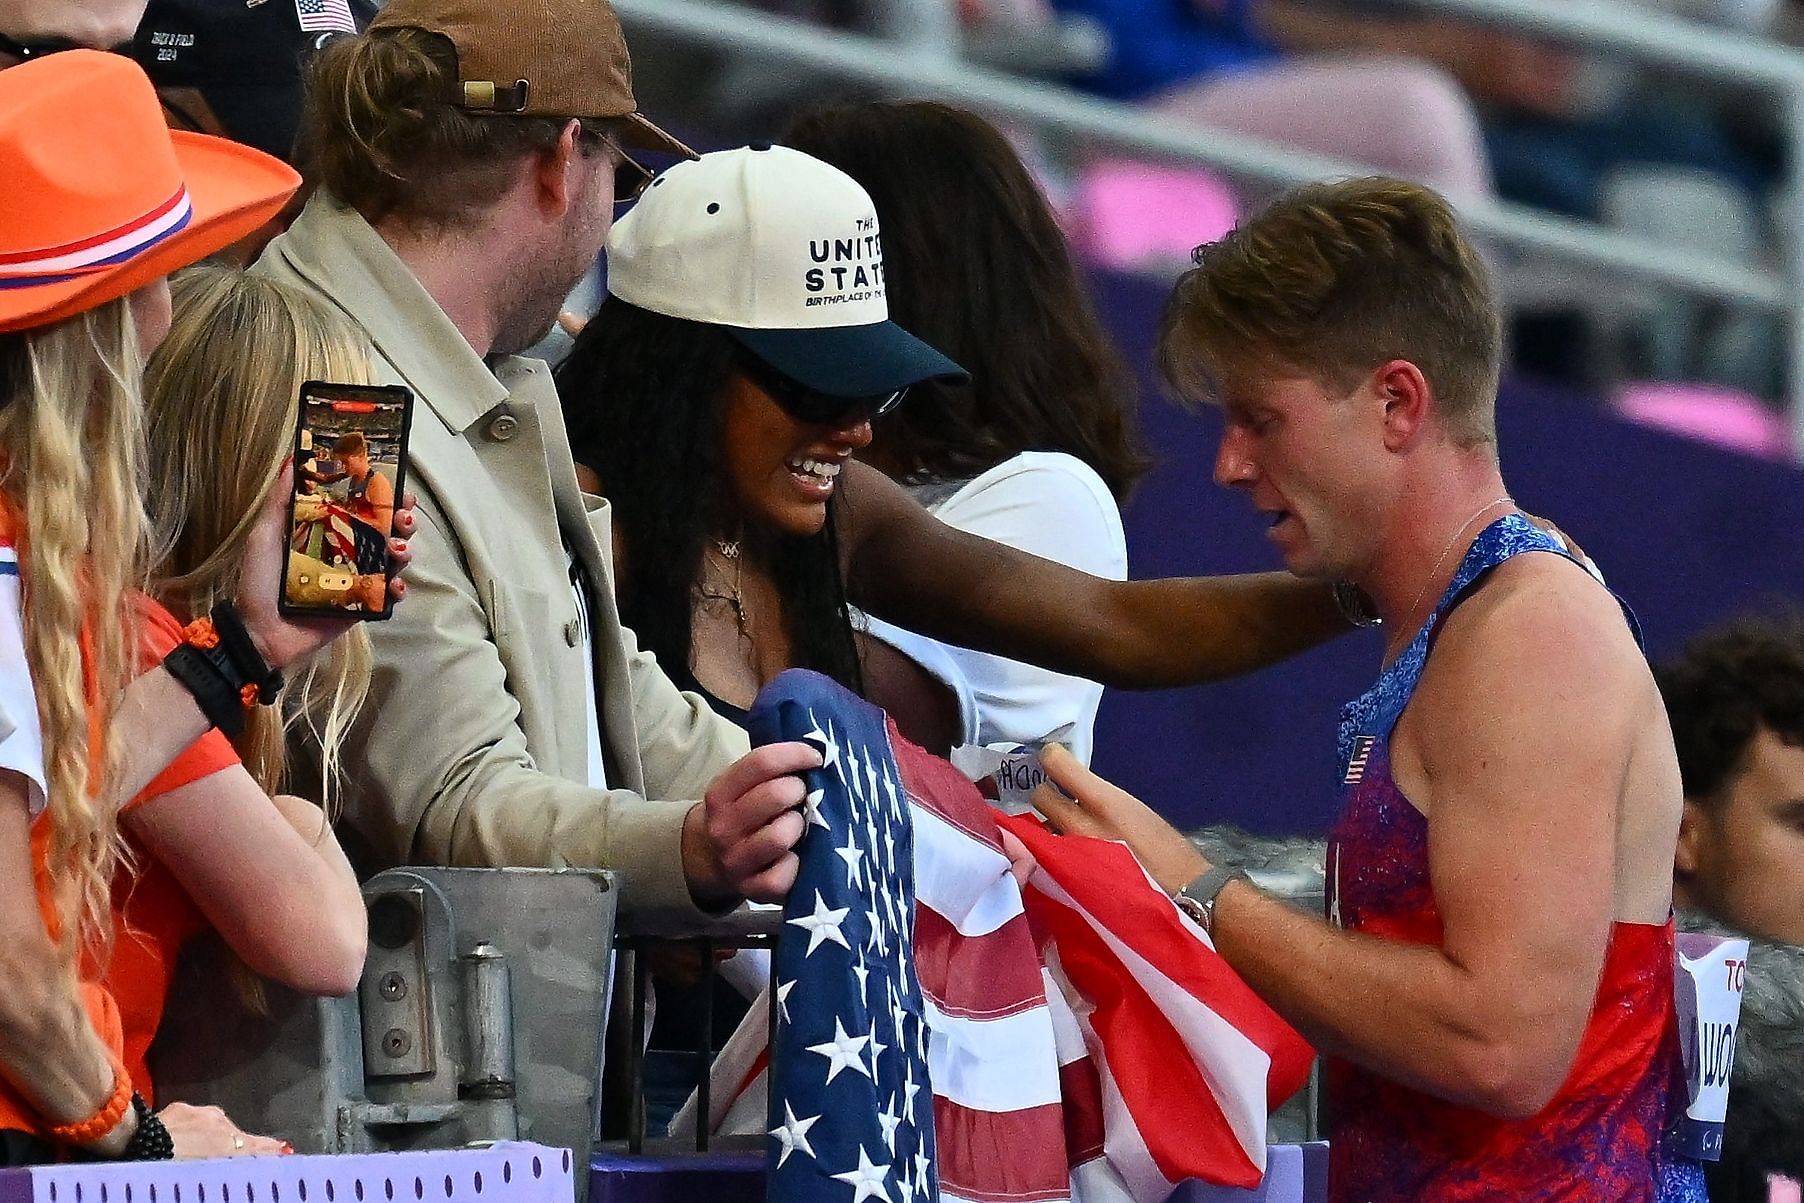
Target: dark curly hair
x,y
1727,684
976,266
643,397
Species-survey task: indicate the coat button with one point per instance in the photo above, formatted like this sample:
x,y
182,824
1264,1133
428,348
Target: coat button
x,y
502,428
572,633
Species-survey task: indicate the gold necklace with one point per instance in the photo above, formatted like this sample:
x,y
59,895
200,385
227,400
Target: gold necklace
x,y
1442,558
730,551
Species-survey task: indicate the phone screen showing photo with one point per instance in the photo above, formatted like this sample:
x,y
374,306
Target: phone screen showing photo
x,y
350,472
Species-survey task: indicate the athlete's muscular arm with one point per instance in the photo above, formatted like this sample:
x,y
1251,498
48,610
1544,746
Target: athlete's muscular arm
x,y
1522,726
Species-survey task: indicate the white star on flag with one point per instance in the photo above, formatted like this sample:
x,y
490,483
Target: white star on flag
x,y
889,1119
877,1046
842,1052
850,776
910,1088
811,806
793,1134
866,1180
852,854
783,989
862,972
900,1018
824,741
823,925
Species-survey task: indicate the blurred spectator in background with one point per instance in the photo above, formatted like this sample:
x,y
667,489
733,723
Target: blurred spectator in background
x,y
1469,109
1735,697
1364,91
236,70
1038,448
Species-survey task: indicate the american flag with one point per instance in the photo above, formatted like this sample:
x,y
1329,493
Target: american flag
x,y
1356,764
325,16
1084,1040
851,1110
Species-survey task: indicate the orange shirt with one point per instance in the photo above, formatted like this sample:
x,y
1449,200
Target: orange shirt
x,y
153,916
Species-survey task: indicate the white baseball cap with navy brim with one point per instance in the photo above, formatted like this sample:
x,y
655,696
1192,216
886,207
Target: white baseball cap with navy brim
x,y
783,252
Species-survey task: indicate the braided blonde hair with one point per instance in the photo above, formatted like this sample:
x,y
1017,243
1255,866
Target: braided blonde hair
x,y
221,395
71,432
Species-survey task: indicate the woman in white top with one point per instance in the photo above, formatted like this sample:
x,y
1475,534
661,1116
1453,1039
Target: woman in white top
x,y
1038,449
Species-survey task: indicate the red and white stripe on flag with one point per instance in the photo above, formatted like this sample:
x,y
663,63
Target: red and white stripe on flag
x,y
1087,1043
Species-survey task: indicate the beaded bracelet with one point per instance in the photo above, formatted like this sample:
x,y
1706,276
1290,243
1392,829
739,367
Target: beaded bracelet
x,y
151,1141
104,1120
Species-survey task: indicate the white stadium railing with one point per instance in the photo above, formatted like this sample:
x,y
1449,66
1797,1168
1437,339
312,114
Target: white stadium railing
x,y
908,64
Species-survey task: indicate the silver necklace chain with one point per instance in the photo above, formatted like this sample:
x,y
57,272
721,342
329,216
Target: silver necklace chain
x,y
1445,552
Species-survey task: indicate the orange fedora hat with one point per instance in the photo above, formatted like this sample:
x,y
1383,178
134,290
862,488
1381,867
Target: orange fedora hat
x,y
99,197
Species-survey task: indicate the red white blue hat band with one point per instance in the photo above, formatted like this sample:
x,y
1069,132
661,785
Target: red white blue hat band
x,y
56,265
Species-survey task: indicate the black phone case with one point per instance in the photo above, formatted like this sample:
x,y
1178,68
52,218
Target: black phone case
x,y
347,392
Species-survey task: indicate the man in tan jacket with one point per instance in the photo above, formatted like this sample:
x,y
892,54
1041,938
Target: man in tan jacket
x,y
467,153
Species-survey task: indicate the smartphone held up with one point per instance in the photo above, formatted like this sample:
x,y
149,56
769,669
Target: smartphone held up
x,y
350,471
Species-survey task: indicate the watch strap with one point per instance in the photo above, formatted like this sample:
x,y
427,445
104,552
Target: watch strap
x,y
1205,887
1198,898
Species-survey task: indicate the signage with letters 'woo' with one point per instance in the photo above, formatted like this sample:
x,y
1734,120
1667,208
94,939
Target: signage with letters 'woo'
x,y
1708,980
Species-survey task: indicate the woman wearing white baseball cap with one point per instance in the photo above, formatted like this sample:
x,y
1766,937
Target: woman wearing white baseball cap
x,y
723,387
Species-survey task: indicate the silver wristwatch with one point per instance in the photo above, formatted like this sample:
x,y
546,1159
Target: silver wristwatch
x,y
1197,899
1355,606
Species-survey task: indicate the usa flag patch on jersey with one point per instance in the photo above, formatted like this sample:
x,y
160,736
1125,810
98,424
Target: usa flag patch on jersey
x,y
1356,765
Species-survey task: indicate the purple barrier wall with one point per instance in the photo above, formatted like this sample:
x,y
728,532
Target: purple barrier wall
x,y
506,1172
1688,534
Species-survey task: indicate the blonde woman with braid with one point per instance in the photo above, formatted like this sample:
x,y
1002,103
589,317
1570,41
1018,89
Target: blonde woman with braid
x,y
220,397
91,707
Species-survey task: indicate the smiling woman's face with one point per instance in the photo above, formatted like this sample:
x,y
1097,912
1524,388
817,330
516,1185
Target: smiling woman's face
x,y
783,471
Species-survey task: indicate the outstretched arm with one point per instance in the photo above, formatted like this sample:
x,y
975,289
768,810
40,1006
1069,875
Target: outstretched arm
x,y
904,565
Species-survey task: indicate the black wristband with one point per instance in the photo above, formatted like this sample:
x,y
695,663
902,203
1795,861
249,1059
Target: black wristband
x,y
252,668
207,677
151,1141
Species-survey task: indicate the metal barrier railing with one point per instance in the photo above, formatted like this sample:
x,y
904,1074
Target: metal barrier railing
x,y
1509,226
739,930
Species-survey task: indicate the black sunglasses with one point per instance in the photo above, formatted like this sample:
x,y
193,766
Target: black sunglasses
x,y
631,177
809,405
26,51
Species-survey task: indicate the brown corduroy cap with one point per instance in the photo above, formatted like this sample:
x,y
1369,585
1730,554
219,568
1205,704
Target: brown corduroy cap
x,y
537,58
